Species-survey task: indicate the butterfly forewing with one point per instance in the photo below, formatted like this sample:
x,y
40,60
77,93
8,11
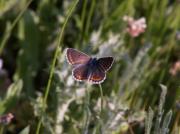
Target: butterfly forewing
x,y
97,76
80,72
75,57
105,63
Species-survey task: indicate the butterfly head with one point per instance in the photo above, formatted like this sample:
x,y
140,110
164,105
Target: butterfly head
x,y
93,61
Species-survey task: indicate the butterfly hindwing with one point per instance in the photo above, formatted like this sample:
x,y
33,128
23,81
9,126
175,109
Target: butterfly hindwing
x,y
105,63
75,57
84,72
97,76
80,72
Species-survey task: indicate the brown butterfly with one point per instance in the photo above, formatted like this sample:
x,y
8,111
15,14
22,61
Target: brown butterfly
x,y
86,68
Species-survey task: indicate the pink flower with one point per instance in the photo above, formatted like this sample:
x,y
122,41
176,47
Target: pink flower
x,y
135,27
6,119
175,68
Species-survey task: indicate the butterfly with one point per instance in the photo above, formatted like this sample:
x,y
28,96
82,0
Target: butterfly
x,y
86,68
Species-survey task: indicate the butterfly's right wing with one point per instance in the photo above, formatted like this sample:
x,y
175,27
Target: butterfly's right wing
x,y
105,63
75,57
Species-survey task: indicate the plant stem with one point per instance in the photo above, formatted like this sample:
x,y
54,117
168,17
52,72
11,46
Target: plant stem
x,y
61,31
87,111
83,20
9,30
89,18
102,98
2,130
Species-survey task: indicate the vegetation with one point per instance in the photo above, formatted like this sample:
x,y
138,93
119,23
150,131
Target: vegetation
x,y
141,93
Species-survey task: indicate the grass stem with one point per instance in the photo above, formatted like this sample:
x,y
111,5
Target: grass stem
x,y
2,130
9,29
102,98
87,111
89,17
61,32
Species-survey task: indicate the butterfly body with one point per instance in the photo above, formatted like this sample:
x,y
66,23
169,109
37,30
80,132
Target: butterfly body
x,y
86,68
92,63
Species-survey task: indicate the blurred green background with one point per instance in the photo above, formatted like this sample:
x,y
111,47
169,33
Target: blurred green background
x,y
29,34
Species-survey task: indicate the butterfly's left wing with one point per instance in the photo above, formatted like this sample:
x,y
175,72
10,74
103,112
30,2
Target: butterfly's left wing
x,y
75,57
80,72
105,63
84,72
97,76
